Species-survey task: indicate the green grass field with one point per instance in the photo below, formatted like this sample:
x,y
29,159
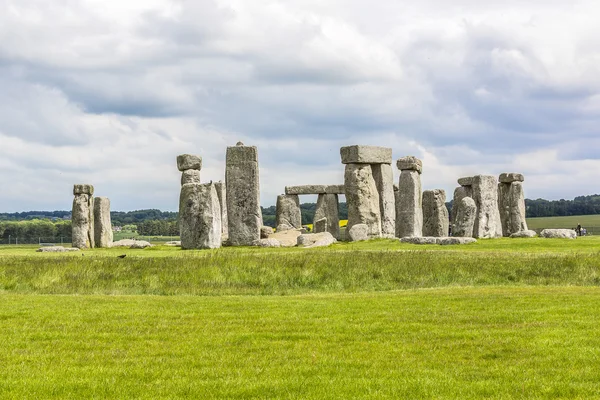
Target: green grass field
x,y
564,222
507,318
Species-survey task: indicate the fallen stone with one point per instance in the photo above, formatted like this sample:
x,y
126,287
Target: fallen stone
x,y
464,221
283,227
131,242
265,231
358,233
524,234
188,161
384,181
446,241
466,181
410,163
311,240
328,208
83,189
366,155
173,243
190,176
56,249
315,189
362,198
435,213
485,193
559,234
140,244
287,210
409,206
419,240
510,177
288,238
103,234
270,242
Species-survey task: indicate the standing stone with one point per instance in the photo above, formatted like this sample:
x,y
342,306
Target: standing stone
x,y
511,203
362,198
320,225
464,221
328,207
243,195
409,211
459,194
485,194
435,213
384,180
103,234
199,216
222,195
190,176
288,211
82,217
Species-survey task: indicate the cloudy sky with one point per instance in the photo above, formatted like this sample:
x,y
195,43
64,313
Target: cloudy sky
x,y
109,93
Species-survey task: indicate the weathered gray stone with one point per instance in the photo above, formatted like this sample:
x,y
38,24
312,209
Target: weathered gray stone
x,y
269,242
103,234
140,244
190,176
485,194
287,238
56,249
466,181
362,198
131,243
288,210
559,234
366,155
320,225
315,189
384,181
173,243
410,163
464,221
327,207
82,221
524,234
222,195
435,214
199,216
409,210
446,241
283,228
83,189
316,239
265,231
358,233
510,177
459,194
419,240
188,161
243,195
511,205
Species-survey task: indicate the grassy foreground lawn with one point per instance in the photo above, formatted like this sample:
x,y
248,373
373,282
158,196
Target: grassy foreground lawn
x,y
443,343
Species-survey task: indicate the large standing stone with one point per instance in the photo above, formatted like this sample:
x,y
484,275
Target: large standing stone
x,y
222,195
199,216
103,234
435,213
511,203
82,217
459,194
243,195
288,211
464,221
409,211
384,180
485,194
328,207
362,198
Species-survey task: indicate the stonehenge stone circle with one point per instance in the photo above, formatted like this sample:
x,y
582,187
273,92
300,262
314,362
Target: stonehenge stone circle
x,y
435,213
103,234
199,216
362,198
243,195
188,161
288,211
409,210
222,195
328,207
464,222
485,194
83,217
384,180
511,203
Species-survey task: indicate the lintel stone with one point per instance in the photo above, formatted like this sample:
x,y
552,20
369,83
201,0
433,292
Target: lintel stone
x,y
189,161
466,181
315,189
410,163
83,189
510,177
366,155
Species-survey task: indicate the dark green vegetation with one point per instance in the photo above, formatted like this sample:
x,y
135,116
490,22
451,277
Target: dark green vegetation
x,y
446,343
